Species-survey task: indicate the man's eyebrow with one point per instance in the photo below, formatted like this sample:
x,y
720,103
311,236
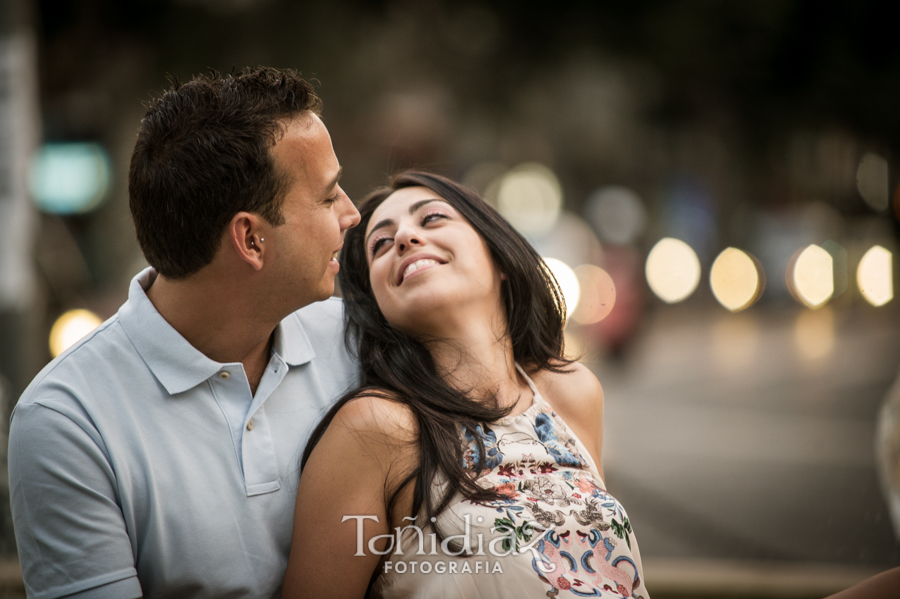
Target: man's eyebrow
x,y
334,182
412,210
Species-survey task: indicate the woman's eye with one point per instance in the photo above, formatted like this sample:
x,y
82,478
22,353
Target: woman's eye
x,y
379,243
432,217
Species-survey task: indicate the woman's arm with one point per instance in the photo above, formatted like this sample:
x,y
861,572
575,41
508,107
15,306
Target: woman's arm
x,y
881,586
342,497
577,397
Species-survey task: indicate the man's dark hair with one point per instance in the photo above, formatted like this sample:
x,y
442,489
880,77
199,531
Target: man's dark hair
x,y
398,366
202,156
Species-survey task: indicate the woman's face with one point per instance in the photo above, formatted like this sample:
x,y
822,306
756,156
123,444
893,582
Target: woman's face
x,y
427,265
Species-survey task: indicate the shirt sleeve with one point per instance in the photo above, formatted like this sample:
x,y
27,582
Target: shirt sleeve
x,y
70,531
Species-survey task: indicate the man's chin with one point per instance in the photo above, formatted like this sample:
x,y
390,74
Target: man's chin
x,y
319,294
328,290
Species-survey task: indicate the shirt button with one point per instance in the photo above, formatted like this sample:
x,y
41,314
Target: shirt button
x,y
224,374
250,424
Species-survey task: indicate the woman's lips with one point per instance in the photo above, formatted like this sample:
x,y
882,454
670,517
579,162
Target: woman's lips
x,y
414,264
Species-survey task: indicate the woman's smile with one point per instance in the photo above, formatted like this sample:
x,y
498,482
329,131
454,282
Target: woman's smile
x,y
415,265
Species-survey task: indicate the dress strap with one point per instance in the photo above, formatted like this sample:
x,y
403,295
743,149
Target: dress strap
x,y
538,398
541,403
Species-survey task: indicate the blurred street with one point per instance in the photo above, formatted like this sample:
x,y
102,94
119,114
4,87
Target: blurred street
x,y
768,458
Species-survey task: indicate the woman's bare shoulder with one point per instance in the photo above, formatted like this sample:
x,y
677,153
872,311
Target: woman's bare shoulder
x,y
576,391
379,415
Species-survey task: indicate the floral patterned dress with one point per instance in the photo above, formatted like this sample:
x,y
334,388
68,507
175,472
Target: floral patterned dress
x,y
555,533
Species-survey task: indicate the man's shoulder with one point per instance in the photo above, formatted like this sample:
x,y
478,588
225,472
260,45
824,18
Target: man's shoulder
x,y
332,308
321,320
323,326
84,368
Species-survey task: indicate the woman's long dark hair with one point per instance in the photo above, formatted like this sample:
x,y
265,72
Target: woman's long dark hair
x,y
399,367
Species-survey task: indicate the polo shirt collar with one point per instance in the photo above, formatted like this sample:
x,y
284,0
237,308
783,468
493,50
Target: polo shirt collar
x,y
177,364
292,343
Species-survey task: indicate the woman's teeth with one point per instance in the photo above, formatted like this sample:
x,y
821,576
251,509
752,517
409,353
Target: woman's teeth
x,y
417,265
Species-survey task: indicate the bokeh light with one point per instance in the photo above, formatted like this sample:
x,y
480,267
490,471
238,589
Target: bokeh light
x,y
814,333
673,270
571,240
530,197
737,279
875,276
872,181
69,178
598,294
617,214
568,283
810,276
70,328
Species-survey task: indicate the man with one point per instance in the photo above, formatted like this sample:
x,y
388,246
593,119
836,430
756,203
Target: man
x,y
160,455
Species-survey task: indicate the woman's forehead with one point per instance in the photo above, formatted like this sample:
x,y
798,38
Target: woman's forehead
x,y
403,202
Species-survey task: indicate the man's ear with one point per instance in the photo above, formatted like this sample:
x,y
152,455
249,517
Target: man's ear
x,y
245,235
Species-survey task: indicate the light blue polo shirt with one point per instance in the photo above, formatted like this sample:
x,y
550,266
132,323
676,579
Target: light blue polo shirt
x,y
138,466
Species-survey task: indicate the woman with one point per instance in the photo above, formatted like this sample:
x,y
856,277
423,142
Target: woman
x,y
469,464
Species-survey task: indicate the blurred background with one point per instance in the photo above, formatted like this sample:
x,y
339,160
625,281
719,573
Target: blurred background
x,y
715,185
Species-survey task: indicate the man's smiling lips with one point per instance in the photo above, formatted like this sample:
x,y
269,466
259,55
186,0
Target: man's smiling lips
x,y
333,261
336,253
415,263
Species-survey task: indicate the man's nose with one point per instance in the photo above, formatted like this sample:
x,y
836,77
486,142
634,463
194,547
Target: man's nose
x,y
350,218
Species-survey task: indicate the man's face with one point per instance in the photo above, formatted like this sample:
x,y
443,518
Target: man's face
x,y
316,214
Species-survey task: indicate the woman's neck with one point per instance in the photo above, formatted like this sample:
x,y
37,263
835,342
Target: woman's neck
x,y
479,362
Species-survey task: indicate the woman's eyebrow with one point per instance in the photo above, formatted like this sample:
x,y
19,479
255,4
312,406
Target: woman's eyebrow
x,y
412,210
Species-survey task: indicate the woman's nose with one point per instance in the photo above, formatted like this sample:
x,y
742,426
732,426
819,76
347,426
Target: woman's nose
x,y
406,237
